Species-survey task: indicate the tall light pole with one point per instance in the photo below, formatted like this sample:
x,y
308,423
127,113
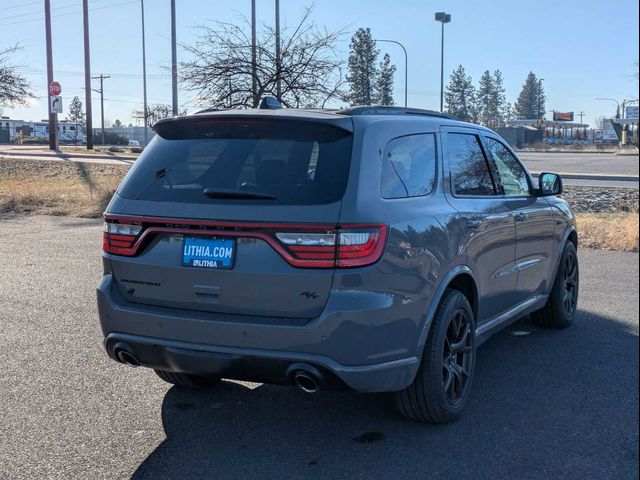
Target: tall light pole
x,y
278,54
443,18
254,56
406,65
144,77
87,75
174,61
612,100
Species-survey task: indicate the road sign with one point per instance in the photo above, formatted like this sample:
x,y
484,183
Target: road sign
x,y
55,88
55,104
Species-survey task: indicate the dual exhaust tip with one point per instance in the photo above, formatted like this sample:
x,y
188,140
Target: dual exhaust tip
x,y
305,377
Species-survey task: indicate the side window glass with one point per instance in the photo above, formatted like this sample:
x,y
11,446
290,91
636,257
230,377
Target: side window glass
x,y
512,176
470,173
409,166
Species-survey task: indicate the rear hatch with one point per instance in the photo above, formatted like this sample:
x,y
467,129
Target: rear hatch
x,y
236,215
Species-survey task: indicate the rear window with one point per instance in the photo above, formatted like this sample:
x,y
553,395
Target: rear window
x,y
283,162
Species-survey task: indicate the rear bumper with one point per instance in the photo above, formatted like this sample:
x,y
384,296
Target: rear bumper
x,y
177,341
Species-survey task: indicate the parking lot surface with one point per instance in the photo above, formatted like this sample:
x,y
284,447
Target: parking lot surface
x,y
546,404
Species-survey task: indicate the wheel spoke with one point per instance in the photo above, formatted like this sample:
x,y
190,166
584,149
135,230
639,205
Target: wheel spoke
x,y
459,345
448,381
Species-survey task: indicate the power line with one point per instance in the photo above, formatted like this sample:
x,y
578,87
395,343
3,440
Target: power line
x,y
65,14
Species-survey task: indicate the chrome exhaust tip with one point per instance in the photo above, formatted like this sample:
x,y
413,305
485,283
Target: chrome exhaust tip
x,y
305,382
127,358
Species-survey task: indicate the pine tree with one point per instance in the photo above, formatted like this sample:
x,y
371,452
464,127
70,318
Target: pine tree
x,y
460,96
75,111
362,68
503,108
531,101
485,100
384,82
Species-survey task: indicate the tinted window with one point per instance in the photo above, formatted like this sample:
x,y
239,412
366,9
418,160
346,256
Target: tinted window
x,y
409,167
513,178
298,162
470,173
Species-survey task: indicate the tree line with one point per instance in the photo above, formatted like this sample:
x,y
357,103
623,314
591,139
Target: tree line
x,y
487,103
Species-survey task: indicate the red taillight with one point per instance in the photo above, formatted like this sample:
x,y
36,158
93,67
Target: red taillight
x,y
120,238
352,246
303,246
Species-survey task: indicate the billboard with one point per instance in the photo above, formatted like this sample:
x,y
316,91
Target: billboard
x,y
563,116
631,112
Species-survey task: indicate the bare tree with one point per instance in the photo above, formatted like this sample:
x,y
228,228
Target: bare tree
x,y
14,88
220,71
155,113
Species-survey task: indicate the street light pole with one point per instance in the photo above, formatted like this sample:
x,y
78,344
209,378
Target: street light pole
x,y
278,54
443,18
87,76
174,62
612,100
406,65
144,77
254,56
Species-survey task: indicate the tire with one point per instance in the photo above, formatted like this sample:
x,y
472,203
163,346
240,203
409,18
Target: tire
x,y
186,380
561,306
440,391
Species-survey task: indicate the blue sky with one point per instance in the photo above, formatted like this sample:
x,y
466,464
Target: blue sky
x,y
583,49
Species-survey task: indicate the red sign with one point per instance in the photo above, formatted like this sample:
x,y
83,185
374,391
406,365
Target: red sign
x,y
55,88
563,116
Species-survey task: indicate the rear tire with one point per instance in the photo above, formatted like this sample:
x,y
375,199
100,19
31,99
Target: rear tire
x,y
186,380
561,306
440,391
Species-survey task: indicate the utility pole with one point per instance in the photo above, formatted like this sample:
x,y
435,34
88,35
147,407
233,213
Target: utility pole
x,y
87,75
144,78
101,92
581,114
278,59
254,59
540,102
53,117
174,61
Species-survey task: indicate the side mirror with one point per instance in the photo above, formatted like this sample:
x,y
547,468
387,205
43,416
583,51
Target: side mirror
x,y
549,184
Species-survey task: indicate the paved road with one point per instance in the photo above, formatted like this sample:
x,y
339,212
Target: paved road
x,y
594,163
551,404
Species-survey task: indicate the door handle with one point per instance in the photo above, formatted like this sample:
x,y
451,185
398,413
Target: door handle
x,y
473,224
520,217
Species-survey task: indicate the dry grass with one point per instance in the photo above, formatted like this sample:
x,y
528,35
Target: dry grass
x,y
57,188
613,231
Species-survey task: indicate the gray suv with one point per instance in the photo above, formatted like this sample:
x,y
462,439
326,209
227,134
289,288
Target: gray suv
x,y
371,248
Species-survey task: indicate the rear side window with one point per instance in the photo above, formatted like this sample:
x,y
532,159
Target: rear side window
x,y
409,166
270,161
470,174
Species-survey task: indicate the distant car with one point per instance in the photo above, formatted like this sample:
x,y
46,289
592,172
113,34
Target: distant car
x,y
134,143
369,248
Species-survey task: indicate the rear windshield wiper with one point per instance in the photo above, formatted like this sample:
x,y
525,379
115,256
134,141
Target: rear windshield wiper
x,y
233,194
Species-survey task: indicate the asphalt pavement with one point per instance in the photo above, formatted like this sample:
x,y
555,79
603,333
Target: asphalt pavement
x,y
546,404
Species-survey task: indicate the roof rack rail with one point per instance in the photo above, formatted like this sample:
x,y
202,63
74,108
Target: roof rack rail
x,y
384,110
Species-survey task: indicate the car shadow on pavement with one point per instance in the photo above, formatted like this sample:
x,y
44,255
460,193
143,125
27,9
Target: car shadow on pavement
x,y
545,403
